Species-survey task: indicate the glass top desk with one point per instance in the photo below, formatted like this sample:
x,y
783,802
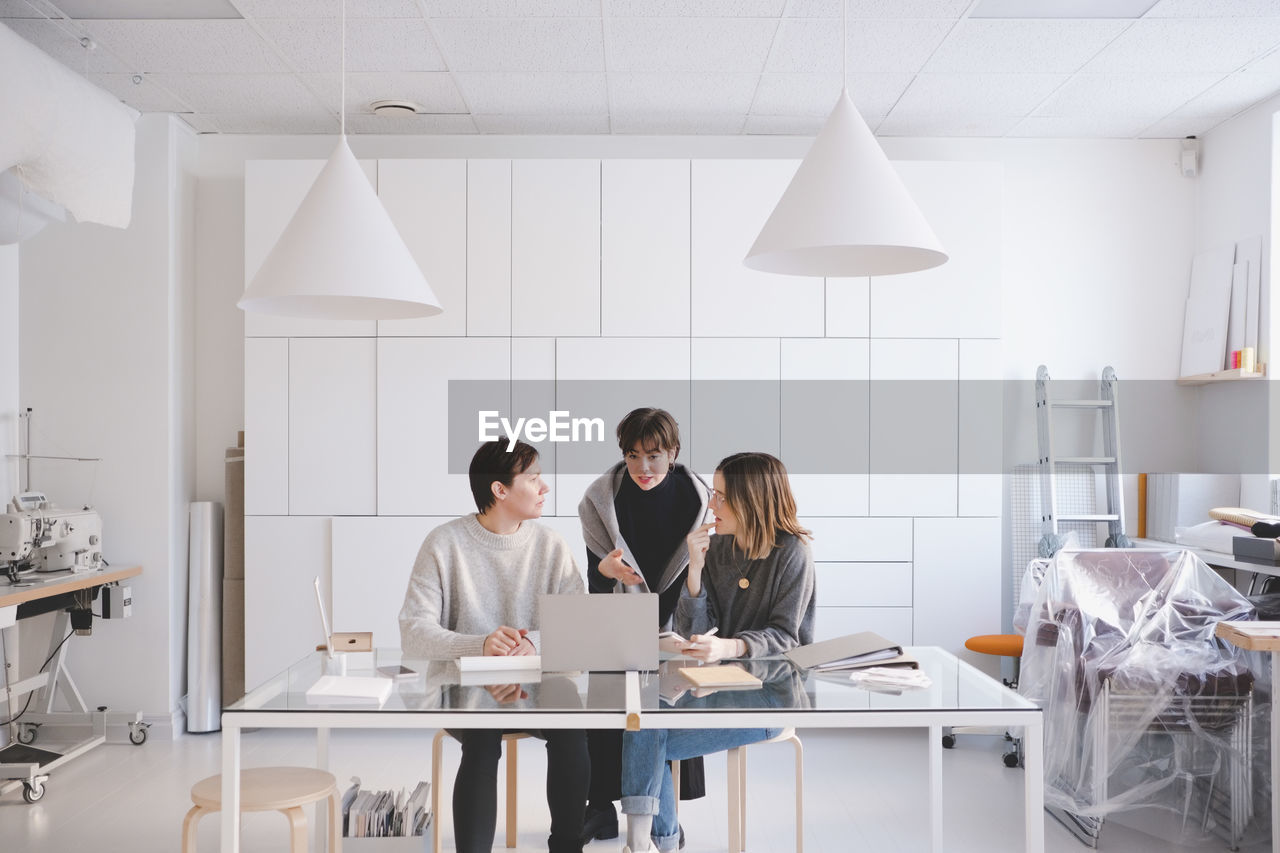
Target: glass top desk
x,y
436,697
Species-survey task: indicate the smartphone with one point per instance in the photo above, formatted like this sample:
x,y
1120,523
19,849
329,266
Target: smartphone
x,y
400,671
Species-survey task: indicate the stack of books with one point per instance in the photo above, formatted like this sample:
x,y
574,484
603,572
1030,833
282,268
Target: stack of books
x,y
385,814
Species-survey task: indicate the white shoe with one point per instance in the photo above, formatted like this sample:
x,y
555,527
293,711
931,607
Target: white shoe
x,y
649,849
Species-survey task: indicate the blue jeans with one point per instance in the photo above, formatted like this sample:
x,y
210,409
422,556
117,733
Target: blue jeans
x,y
646,776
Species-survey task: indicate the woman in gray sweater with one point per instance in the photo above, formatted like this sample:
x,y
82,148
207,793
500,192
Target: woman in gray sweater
x,y
754,583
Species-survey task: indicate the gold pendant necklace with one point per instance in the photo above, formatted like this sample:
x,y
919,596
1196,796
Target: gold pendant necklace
x,y
743,583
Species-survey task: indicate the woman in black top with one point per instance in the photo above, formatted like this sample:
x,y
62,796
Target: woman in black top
x,y
635,518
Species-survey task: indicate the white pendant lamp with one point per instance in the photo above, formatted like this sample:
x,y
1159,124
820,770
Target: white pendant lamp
x,y
340,257
846,212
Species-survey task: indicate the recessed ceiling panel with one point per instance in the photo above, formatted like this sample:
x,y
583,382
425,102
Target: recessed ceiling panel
x,y
1143,96
269,94
878,8
953,125
512,8
1213,9
815,94
684,125
694,8
1061,8
139,10
257,123
689,44
1230,96
434,91
65,48
783,125
145,96
975,94
542,125
412,124
1109,126
329,8
813,44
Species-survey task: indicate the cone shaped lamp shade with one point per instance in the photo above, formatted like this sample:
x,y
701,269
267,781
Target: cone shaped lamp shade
x,y
340,257
846,211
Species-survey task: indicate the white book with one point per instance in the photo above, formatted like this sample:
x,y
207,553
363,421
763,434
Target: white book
x,y
500,663
349,689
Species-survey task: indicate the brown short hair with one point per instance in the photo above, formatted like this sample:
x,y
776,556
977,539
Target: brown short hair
x,y
759,494
493,463
650,429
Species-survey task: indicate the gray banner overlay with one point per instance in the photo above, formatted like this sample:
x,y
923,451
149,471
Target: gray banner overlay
x,y
868,427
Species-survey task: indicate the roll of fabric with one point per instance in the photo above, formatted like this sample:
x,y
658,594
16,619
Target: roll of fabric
x,y
204,618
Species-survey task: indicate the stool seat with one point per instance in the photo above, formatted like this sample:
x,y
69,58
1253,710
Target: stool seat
x,y
1001,645
268,789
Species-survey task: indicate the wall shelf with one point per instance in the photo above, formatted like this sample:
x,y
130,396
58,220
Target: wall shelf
x,y
1220,376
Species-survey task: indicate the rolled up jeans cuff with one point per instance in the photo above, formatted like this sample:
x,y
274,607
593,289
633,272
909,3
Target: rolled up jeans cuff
x,y
669,844
640,805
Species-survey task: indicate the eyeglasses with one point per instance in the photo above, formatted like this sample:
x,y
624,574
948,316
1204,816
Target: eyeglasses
x,y
716,498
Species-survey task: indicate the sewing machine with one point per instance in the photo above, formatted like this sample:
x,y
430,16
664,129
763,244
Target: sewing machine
x,y
36,536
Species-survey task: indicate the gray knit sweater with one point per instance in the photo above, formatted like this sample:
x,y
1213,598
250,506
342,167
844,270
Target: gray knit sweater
x,y
773,614
467,581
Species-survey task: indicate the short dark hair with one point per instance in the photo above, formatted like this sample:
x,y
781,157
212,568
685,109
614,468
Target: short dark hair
x,y
494,463
650,429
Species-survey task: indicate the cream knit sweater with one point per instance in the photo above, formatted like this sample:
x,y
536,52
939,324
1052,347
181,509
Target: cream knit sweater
x,y
467,581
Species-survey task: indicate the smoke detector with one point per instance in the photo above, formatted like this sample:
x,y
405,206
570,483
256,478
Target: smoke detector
x,y
396,108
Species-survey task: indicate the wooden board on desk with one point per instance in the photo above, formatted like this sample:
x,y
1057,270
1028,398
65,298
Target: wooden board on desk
x,y
56,583
1255,636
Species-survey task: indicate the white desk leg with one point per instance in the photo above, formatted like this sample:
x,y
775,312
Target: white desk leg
x,y
1033,784
1275,752
230,785
935,789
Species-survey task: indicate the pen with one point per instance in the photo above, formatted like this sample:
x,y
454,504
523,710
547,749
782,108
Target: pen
x,y
712,632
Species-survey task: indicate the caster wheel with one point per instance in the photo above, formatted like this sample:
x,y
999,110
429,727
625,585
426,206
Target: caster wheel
x,y
1011,759
948,741
27,734
33,792
138,736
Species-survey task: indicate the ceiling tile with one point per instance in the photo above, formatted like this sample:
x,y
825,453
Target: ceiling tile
x,y
146,96
1079,9
815,94
695,8
543,124
678,125
1145,97
558,92
65,47
433,90
18,9
259,123
813,44
529,44
1231,95
414,124
1180,45
1180,128
1213,9
945,125
689,44
512,8
1039,45
1265,64
654,94
878,8
783,125
959,95
328,9
373,44
1108,126
269,94
198,47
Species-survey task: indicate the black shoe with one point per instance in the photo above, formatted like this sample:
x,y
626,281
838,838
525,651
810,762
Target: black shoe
x,y
599,824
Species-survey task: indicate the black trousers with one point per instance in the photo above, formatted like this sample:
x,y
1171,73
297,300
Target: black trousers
x,y
475,791
605,746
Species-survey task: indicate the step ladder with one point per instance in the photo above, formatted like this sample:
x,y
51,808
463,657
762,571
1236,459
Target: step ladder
x,y
1109,462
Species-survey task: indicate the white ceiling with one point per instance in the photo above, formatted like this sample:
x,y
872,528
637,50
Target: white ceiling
x,y
992,68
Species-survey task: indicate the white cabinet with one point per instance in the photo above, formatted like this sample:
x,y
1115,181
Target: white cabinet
x,y
273,190
731,199
555,247
427,202
419,471
957,581
644,248
981,418
266,426
332,426
847,540
489,247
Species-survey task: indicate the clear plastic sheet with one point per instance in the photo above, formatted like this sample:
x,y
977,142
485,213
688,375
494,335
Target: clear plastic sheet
x,y
1144,707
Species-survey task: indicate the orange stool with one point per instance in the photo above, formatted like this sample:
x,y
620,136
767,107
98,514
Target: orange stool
x,y
1005,646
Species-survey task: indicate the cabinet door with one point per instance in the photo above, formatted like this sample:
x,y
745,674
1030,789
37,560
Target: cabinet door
x,y
332,426
644,239
555,248
427,201
266,426
731,200
281,557
488,247
957,582
273,189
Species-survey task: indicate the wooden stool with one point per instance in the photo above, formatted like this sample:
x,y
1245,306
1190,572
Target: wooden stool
x,y
264,789
510,743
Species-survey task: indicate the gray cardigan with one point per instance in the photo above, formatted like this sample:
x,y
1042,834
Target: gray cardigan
x,y
775,613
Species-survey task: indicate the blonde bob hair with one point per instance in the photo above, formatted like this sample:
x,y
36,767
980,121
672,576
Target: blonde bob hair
x,y
759,494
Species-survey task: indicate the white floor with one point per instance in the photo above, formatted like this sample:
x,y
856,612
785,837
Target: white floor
x,y
865,791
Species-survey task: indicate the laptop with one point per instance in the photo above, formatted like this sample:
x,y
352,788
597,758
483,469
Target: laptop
x,y
599,633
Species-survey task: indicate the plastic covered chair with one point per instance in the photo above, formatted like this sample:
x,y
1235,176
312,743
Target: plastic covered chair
x,y
1143,706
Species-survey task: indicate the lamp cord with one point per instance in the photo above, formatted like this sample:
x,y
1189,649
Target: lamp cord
x,y
844,47
342,107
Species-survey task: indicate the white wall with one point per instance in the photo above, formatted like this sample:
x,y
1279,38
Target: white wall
x,y
8,369
109,311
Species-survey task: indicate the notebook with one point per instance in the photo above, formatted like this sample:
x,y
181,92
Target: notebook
x,y
721,676
853,651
